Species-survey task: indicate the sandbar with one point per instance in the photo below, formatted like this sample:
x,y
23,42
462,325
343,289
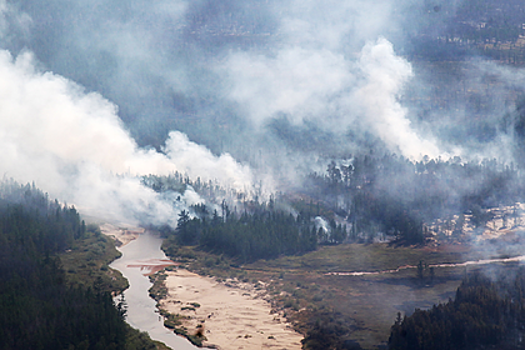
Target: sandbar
x,y
233,315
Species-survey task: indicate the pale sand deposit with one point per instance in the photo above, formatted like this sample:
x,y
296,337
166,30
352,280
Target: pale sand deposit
x,y
234,315
122,235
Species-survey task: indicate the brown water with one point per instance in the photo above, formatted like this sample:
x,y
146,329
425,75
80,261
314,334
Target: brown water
x,y
140,258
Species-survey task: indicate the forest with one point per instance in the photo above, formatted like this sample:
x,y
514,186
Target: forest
x,y
351,202
477,27
264,233
400,197
266,89
486,313
360,198
39,308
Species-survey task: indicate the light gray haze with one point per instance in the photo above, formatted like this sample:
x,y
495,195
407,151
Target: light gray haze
x,y
245,93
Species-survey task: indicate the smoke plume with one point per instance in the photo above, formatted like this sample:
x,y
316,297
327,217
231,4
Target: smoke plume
x,y
233,91
73,145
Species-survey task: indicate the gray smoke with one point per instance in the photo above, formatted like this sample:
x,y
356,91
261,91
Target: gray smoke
x,y
73,145
243,92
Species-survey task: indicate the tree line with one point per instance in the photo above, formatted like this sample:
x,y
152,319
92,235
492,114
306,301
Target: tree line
x,y
262,233
376,193
395,195
485,314
446,35
38,309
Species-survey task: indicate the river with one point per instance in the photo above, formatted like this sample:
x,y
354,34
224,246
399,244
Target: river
x,y
138,258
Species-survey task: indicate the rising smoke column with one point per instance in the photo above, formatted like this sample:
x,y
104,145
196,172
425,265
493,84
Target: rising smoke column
x,y
218,71
385,75
229,74
73,145
327,89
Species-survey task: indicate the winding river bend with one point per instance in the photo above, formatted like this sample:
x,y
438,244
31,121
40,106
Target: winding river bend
x,y
139,257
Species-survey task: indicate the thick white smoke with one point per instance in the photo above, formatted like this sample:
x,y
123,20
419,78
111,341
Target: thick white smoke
x,y
221,71
385,75
332,91
280,84
73,145
197,161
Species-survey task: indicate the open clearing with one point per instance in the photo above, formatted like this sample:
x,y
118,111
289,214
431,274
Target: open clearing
x,y
300,287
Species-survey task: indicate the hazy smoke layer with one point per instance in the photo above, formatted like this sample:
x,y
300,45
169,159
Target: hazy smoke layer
x,y
221,71
279,85
330,91
72,144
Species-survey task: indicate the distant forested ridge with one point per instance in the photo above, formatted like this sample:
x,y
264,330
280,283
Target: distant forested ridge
x,y
38,309
485,314
488,27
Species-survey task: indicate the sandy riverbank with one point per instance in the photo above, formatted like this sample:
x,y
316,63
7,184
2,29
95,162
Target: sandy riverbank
x,y
234,315
122,235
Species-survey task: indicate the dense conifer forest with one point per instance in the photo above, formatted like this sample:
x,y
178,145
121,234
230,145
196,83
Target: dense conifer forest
x,y
361,198
264,233
400,197
253,229
38,308
485,314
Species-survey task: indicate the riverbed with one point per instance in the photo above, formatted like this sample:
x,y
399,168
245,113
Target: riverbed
x,y
139,258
